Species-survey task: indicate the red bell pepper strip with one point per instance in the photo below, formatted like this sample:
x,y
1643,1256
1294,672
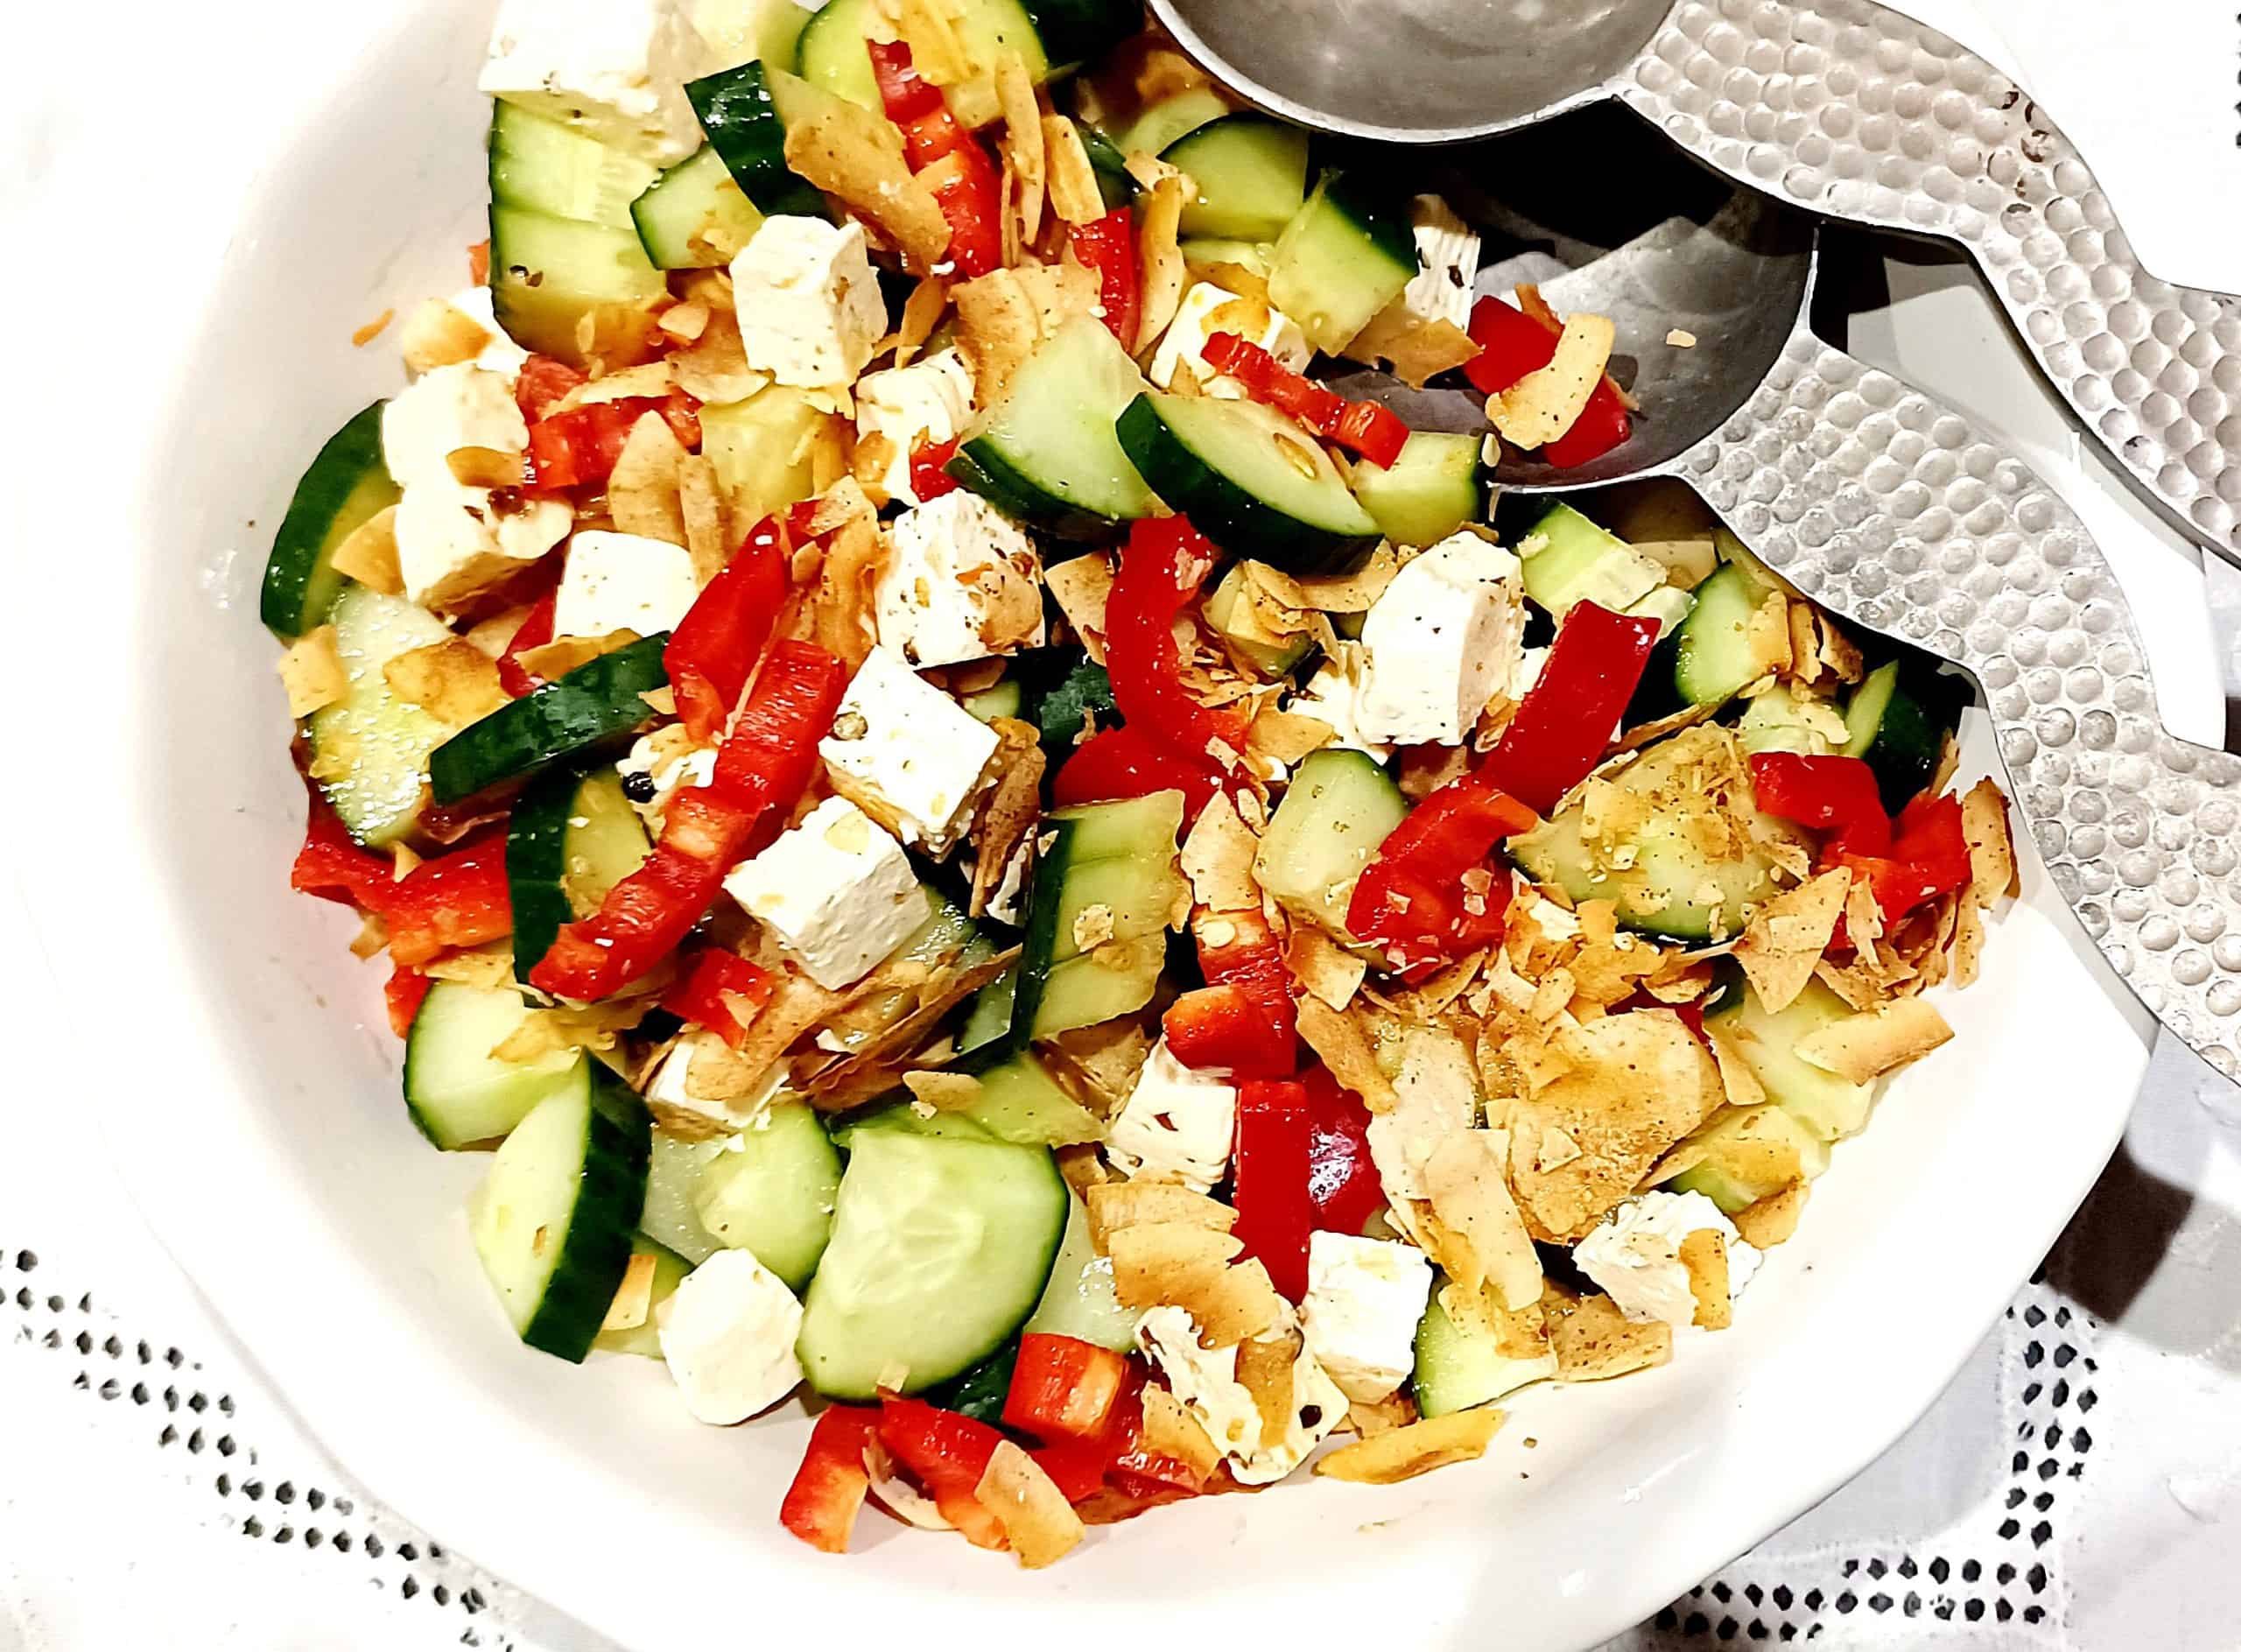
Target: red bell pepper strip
x,y
1512,344
929,477
1929,857
947,1453
579,448
761,769
1244,1022
965,181
1833,795
1124,762
1344,1190
1602,425
1416,897
543,382
717,990
1565,725
1137,1470
459,899
535,632
403,992
1375,433
1062,1387
713,649
1166,562
1274,1142
332,865
1107,247
828,1489
913,103
1076,1467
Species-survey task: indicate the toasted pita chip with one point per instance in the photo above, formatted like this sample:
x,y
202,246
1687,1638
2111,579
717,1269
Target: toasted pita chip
x,y
686,322
1594,1342
707,519
453,681
1007,815
1992,847
797,1004
564,654
484,466
1703,1253
643,495
1237,1302
1482,1238
363,336
943,1092
1338,1039
1326,968
484,967
1415,349
714,368
922,313
1774,1219
1218,858
1736,1077
311,672
1863,1047
1354,591
844,607
437,336
1074,194
1403,1454
1787,936
1548,402
1022,141
1155,1262
1113,1207
942,990
1285,736
1160,273
1034,1513
997,328
1530,301
1170,1431
1264,1370
634,1298
369,555
1374,1417
856,154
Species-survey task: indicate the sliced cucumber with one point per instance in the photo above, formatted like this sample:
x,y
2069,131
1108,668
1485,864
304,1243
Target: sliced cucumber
x,y
770,1190
1749,1154
750,31
1897,720
1339,807
1206,253
694,216
1079,1301
1230,612
1077,32
599,701
743,111
1829,1107
980,1392
455,1090
1020,1102
1429,492
370,749
1657,877
764,449
1079,966
834,59
553,1220
1345,254
1084,692
1048,452
1781,721
541,166
572,838
1458,1366
571,289
672,1177
941,1247
1248,478
670,1269
1006,699
1160,123
1569,560
346,485
1712,660
1249,173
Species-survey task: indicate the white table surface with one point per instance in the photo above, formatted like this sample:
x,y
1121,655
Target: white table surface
x,y
2078,1486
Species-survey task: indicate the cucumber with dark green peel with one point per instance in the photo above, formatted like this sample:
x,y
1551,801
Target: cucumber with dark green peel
x,y
600,700
573,836
1119,856
1249,479
1429,492
1079,1301
556,281
1898,718
1568,560
1345,254
1110,164
1460,1365
1248,177
770,1191
541,166
1340,806
740,111
1711,659
1084,694
834,59
370,749
1032,976
981,1393
1749,1154
1004,698
346,485
1162,123
1020,1102
694,216
645,1338
1231,615
1828,1106
459,1093
552,1221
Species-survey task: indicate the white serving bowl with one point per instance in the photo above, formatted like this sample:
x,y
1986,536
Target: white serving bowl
x,y
273,1156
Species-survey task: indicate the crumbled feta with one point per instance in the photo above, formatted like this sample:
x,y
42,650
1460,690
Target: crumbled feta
x,y
444,410
929,401
907,745
614,70
961,582
810,309
1176,1123
1441,639
837,889
1531,662
622,581
1206,310
1205,1380
500,355
1635,1255
728,1335
1365,1298
668,758
1448,249
668,1090
1332,694
454,540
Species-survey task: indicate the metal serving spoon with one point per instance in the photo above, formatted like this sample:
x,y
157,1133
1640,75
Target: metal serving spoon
x,y
1839,106
1903,516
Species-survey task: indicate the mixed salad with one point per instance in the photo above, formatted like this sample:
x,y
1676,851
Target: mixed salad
x,y
987,849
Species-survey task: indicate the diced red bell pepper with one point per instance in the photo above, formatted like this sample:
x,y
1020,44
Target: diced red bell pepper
x,y
713,651
828,1489
1512,344
1125,762
1076,1467
1929,857
947,1453
720,991
1372,430
406,988
1107,247
1602,425
458,899
1062,1387
913,103
1344,1190
929,477
761,769
1166,562
332,865
1274,1151
1244,1022
1417,898
1377,433
969,189
1136,1469
543,382
578,448
535,632
1569,714
1837,796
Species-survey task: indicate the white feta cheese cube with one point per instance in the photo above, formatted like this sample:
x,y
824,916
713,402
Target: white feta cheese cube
x,y
1205,1380
622,581
728,1336
670,762
669,1090
1635,1255
837,889
453,540
810,309
1365,1298
961,582
929,401
1176,1123
909,748
1206,310
614,70
501,355
1445,635
444,410
1448,249
1333,696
